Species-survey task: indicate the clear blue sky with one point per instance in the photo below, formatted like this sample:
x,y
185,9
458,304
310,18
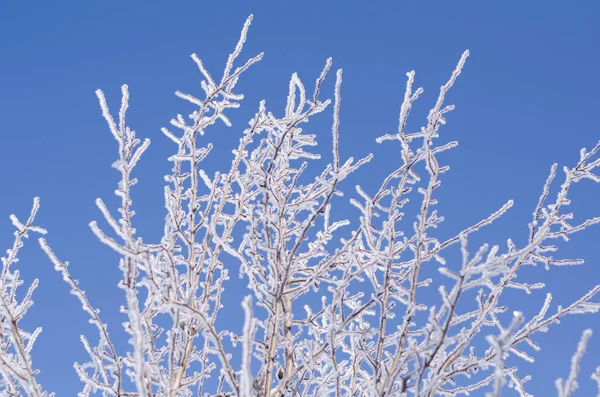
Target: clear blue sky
x,y
528,97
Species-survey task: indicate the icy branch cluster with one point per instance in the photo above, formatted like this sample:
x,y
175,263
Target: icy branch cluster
x,y
372,335
16,366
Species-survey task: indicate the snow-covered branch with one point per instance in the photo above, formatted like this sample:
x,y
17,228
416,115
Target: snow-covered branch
x,y
271,218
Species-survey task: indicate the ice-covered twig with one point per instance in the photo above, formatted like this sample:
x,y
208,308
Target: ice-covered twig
x,y
566,388
16,366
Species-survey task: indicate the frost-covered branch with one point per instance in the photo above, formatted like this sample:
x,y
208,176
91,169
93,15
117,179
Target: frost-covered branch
x,y
566,388
16,366
271,217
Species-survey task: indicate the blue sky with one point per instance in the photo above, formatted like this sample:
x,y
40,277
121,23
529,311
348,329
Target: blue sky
x,y
527,98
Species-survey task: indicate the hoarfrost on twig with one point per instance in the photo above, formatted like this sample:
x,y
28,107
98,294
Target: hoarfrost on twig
x,y
373,333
